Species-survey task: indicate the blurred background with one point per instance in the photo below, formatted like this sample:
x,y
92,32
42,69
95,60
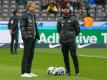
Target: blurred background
x,y
47,14
96,8
92,39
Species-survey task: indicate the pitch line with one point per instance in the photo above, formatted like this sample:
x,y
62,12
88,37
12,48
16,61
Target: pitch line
x,y
93,56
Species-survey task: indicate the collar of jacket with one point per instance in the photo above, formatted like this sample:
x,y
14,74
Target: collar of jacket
x,y
67,15
30,13
15,16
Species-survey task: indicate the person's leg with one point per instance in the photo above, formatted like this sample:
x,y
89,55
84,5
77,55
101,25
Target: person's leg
x,y
12,43
25,56
74,57
65,52
16,42
29,65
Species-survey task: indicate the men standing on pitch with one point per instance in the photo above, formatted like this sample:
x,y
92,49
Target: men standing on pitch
x,y
13,28
29,33
68,28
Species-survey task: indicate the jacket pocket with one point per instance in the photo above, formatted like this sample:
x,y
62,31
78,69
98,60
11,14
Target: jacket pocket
x,y
70,34
62,35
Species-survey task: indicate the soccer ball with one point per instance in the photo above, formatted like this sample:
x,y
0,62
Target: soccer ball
x,y
53,71
61,70
56,70
50,70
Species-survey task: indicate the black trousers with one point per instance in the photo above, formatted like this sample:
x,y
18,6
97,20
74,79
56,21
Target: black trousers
x,y
13,48
29,46
65,50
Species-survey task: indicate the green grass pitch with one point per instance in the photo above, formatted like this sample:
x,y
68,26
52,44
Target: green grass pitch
x,y
93,64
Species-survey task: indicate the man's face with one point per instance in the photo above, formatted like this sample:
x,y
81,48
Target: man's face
x,y
66,10
32,8
18,14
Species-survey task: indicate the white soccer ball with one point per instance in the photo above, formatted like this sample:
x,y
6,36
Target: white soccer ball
x,y
53,71
61,70
50,70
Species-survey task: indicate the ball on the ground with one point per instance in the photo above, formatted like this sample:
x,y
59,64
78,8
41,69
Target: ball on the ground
x,y
61,70
53,71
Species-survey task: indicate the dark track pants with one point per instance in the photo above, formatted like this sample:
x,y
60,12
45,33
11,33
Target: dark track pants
x,y
13,47
65,50
29,46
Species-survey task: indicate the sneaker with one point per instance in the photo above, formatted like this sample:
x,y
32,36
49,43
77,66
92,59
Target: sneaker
x,y
77,74
15,52
33,75
67,74
26,75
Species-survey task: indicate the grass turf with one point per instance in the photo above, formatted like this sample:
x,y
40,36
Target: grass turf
x,y
91,68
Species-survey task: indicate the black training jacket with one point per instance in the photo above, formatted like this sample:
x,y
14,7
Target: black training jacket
x,y
68,28
28,25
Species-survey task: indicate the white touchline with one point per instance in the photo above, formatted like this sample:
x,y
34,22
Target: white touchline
x,y
92,56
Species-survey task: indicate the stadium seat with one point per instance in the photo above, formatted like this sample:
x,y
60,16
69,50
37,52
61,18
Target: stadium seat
x,y
7,7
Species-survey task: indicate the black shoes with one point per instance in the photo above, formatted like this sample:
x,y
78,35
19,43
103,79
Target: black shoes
x,y
69,74
13,52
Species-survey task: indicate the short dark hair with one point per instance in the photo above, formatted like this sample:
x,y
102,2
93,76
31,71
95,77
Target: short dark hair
x,y
15,11
65,7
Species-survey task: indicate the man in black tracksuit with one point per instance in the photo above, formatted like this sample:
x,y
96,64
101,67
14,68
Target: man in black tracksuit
x,y
30,33
13,28
68,28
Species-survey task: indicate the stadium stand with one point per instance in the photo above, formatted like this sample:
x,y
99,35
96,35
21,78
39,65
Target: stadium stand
x,y
98,12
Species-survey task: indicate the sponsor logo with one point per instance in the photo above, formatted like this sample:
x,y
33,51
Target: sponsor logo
x,y
1,44
83,45
78,45
53,45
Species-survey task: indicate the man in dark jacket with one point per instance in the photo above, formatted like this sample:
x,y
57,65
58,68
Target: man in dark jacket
x,y
13,28
30,33
68,28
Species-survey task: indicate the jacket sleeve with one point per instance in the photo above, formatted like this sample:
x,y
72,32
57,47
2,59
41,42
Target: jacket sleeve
x,y
23,25
37,32
58,26
77,26
11,23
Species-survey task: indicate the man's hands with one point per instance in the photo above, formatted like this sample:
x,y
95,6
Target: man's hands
x,y
10,30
